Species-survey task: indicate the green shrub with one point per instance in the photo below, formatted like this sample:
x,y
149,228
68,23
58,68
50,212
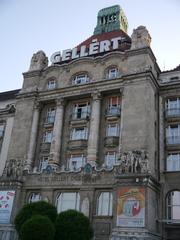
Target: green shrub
x,y
36,208
37,228
72,225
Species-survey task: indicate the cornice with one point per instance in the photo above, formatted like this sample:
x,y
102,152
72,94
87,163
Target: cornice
x,y
35,73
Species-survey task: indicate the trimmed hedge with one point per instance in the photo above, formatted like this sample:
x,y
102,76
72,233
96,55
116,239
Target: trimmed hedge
x,y
72,225
37,208
37,228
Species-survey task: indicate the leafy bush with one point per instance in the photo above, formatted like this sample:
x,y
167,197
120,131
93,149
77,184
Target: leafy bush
x,y
36,208
37,228
72,225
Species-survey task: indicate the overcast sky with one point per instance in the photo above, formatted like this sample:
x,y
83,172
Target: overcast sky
x,y
52,25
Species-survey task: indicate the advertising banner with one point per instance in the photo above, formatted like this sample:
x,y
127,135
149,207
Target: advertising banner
x,y
131,207
6,203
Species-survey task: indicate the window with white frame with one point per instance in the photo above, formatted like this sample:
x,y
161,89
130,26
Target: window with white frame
x,y
81,110
173,162
114,105
173,134
68,200
34,197
112,73
173,206
43,163
80,79
51,84
2,126
47,136
173,107
110,159
78,133
77,161
112,130
50,116
104,205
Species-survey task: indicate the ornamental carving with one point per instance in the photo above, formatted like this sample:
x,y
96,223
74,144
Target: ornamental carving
x,y
133,162
13,169
38,61
140,38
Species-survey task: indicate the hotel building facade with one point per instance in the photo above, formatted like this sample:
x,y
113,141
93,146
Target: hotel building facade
x,y
97,130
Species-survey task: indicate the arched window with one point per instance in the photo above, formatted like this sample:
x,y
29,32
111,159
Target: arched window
x,y
173,206
34,197
51,84
81,78
104,204
112,72
68,200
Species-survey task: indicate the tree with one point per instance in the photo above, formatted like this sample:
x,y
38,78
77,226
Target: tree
x,y
72,225
37,228
37,208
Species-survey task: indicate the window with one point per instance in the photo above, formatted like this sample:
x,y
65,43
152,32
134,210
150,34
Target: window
x,y
173,162
34,197
43,163
112,18
112,73
69,200
112,130
104,206
173,134
114,105
51,84
47,137
81,110
173,107
1,130
110,159
173,206
50,116
80,79
76,161
79,133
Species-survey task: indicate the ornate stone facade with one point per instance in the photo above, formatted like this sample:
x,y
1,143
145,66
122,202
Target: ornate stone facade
x,y
101,131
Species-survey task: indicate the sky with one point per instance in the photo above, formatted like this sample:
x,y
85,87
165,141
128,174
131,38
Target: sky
x,y
52,25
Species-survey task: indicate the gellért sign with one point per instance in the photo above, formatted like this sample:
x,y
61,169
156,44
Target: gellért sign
x,y
94,47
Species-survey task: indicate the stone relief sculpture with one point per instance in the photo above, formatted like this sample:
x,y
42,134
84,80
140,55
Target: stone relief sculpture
x,y
13,169
140,38
133,162
39,61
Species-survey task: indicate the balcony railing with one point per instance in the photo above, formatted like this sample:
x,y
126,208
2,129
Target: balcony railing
x,y
80,115
173,140
173,112
50,119
113,111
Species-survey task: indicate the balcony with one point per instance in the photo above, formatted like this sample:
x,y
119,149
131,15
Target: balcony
x,y
49,121
173,140
45,147
80,117
111,141
173,112
113,112
77,144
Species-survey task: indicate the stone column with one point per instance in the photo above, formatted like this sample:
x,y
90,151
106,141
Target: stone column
x,y
57,134
121,122
94,129
33,136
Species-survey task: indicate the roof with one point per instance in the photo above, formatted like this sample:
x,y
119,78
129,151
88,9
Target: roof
x,y
177,68
8,95
172,70
107,36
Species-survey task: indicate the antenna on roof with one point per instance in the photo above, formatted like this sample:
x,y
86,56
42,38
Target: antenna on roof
x,y
164,65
